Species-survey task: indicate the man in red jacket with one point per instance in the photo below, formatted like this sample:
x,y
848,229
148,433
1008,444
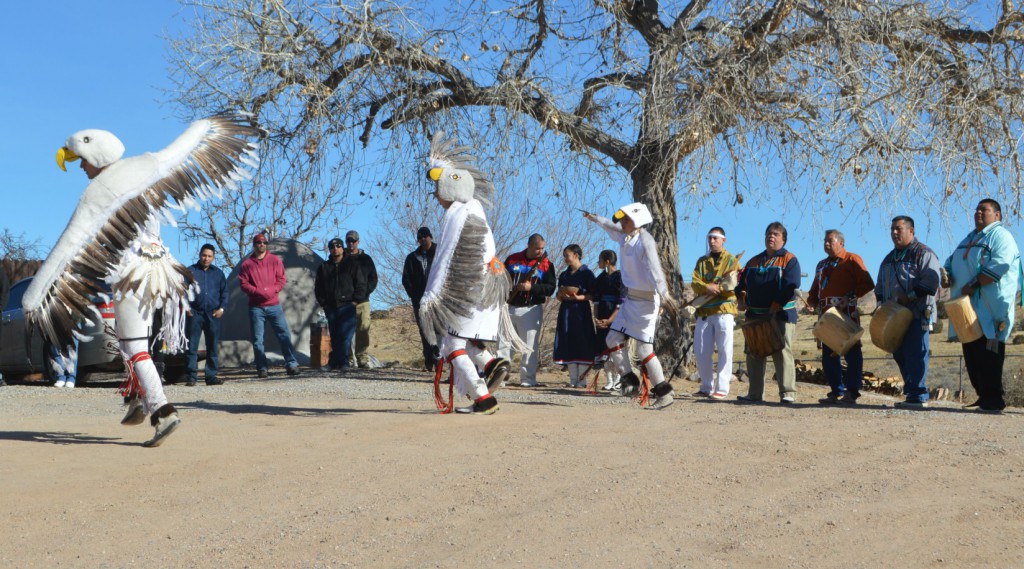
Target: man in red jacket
x,y
262,278
839,280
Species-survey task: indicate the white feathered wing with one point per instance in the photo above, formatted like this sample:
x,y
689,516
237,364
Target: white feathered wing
x,y
213,154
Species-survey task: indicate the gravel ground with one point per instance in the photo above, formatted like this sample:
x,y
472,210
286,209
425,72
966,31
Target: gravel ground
x,y
361,471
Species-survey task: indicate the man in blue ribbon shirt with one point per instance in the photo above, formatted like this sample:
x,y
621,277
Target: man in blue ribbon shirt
x,y
986,268
768,290
909,275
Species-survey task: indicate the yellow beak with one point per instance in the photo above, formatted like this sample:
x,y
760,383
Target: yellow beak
x,y
434,174
619,215
65,155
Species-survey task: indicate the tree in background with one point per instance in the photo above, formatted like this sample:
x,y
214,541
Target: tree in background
x,y
18,247
861,102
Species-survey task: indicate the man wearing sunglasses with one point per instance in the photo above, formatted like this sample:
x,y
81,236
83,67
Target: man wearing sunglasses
x,y
340,286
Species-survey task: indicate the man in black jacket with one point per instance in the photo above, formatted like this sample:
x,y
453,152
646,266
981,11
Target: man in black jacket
x,y
340,286
414,279
362,341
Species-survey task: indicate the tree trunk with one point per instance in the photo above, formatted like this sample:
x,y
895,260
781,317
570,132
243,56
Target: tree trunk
x,y
654,186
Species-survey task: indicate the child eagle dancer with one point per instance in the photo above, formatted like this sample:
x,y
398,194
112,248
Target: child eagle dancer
x,y
114,235
467,284
646,292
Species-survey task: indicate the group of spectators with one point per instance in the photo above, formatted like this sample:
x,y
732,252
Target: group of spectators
x,y
985,267
344,283
343,286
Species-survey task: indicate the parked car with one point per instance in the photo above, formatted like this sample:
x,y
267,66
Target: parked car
x,y
98,354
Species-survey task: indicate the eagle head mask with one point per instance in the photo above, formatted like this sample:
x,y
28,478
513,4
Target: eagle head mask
x,y
97,147
638,212
453,184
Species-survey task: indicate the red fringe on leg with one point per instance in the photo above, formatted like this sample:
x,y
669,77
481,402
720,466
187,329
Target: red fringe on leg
x,y
592,386
131,387
645,383
448,406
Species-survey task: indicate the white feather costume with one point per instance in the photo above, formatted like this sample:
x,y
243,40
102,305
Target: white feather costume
x,y
113,236
210,156
467,285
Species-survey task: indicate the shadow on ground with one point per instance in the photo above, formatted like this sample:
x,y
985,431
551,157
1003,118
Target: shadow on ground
x,y
61,438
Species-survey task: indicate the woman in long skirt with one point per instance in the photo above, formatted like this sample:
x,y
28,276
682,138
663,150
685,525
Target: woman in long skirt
x,y
575,336
607,295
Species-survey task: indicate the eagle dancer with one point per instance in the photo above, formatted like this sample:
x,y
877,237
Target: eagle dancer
x,y
114,236
467,285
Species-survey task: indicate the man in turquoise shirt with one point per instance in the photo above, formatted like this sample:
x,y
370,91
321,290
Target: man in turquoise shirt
x,y
986,268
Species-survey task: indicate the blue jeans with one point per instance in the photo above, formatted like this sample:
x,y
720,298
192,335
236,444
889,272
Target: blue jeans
x,y
62,365
843,383
198,324
273,315
912,358
341,322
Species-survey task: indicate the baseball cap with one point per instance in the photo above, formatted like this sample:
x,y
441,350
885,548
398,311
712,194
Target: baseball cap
x,y
259,238
352,236
336,241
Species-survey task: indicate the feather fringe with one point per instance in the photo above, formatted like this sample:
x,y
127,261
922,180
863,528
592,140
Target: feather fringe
x,y
507,332
173,329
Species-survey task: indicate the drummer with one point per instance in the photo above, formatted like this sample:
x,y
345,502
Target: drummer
x,y
839,280
767,289
986,268
909,275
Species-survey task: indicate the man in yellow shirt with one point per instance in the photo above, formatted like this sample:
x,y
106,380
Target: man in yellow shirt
x,y
716,318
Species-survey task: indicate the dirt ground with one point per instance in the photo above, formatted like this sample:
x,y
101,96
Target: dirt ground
x,y
361,471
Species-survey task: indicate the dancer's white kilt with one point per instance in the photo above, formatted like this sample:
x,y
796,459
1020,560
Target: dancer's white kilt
x,y
481,325
637,317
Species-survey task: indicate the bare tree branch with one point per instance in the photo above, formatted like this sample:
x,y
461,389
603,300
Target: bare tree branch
x,y
858,98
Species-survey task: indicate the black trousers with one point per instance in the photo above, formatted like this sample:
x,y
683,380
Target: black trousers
x,y
985,368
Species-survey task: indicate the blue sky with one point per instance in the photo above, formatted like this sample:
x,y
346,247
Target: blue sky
x,y
71,66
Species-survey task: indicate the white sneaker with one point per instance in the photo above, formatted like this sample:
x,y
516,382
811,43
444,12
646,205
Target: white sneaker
x,y
70,384
59,383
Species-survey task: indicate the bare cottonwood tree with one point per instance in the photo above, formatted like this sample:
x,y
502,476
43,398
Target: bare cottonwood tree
x,y
863,101
18,247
